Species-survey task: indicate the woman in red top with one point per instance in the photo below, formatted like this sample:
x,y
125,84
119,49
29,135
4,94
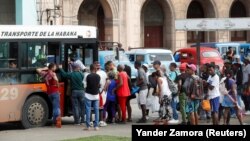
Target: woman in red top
x,y
122,90
52,83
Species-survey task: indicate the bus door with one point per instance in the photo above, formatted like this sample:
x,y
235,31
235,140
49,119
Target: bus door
x,y
86,53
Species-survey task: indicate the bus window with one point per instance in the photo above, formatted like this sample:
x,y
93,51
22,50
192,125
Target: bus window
x,y
10,77
7,54
140,58
34,54
88,57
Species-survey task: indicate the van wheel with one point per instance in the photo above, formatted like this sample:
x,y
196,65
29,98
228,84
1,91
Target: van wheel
x,y
35,112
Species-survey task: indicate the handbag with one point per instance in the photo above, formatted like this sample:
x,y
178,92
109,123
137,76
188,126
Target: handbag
x,y
102,99
206,105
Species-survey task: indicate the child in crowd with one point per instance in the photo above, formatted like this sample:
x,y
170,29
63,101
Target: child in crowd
x,y
110,106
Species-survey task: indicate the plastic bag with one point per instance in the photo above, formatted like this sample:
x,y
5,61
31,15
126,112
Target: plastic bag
x,y
206,105
155,104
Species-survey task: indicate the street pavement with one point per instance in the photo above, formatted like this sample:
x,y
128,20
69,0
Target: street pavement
x,y
14,132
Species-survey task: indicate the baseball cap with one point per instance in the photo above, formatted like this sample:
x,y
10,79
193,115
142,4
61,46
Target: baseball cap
x,y
145,65
75,65
192,67
183,66
156,62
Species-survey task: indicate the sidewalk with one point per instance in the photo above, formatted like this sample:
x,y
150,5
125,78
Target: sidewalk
x,y
69,131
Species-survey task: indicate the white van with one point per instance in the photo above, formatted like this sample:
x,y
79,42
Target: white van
x,y
149,55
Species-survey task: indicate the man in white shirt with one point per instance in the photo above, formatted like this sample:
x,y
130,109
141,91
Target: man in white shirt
x,y
213,93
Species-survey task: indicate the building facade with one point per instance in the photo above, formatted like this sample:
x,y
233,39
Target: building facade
x,y
143,23
20,12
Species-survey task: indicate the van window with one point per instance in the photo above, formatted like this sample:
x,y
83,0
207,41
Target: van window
x,y
131,58
162,57
225,49
210,54
140,58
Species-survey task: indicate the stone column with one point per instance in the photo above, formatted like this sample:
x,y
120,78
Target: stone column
x,y
180,8
26,12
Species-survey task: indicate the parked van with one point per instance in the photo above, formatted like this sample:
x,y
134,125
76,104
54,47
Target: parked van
x,y
207,55
149,55
222,47
244,50
109,55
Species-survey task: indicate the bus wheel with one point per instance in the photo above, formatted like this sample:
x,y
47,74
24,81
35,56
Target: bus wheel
x,y
35,112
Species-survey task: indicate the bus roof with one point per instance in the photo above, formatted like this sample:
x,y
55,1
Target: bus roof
x,y
47,32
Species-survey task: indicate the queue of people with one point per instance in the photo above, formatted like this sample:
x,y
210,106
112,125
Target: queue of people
x,y
179,89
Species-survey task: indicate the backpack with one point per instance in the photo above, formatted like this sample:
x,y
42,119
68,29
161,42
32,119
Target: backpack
x,y
172,86
222,87
197,88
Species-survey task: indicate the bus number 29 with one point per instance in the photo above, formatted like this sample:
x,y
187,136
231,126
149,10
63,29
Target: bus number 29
x,y
8,94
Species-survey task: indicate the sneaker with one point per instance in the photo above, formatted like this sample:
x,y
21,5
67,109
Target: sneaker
x,y
247,113
173,121
96,128
58,122
233,116
91,124
102,124
86,128
147,117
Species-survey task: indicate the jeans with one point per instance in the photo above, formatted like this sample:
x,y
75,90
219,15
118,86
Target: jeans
x,y
174,107
183,103
78,105
55,100
95,104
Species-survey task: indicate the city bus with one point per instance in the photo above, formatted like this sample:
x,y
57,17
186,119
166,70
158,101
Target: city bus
x,y
23,49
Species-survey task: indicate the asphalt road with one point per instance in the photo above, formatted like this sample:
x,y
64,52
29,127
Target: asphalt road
x,y
14,132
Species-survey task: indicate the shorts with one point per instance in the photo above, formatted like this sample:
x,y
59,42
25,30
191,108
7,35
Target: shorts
x,y
192,106
215,104
142,97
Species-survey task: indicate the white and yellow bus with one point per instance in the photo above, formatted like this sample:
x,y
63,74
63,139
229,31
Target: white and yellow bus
x,y
24,48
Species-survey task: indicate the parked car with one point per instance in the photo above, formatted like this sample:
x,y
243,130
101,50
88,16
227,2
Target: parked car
x,y
207,55
149,55
222,47
121,58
